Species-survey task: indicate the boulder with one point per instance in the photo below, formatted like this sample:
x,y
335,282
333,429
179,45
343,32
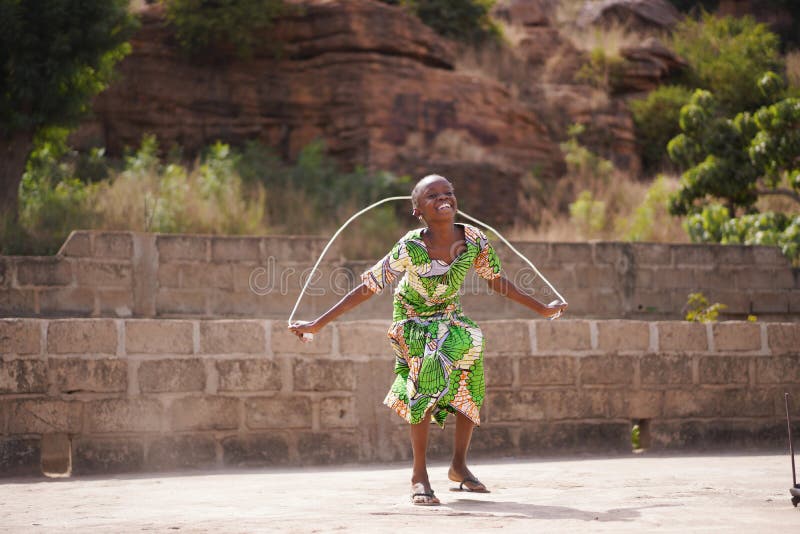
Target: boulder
x,y
635,15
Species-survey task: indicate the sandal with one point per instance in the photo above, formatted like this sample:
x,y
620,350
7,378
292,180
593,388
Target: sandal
x,y
470,480
429,495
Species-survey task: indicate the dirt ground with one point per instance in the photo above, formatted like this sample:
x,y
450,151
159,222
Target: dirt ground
x,y
728,493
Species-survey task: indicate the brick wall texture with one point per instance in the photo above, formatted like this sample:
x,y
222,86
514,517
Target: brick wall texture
x,y
127,274
127,395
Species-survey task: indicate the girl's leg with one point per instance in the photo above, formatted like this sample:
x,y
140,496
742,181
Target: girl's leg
x,y
458,467
419,474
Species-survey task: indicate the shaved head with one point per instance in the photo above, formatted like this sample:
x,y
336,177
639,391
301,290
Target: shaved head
x,y
422,184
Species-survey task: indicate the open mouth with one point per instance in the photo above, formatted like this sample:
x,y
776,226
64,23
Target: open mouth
x,y
444,206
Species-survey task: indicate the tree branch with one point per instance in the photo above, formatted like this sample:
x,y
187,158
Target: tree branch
x,y
782,191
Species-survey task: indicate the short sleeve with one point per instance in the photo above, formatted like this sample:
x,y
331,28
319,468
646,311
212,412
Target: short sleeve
x,y
487,264
387,269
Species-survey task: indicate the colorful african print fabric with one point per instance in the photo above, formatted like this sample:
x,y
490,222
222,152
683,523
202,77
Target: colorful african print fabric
x,y
438,350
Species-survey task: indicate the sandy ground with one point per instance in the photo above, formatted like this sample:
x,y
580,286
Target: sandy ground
x,y
736,493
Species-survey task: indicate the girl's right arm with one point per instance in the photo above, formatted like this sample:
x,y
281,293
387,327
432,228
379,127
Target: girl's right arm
x,y
358,295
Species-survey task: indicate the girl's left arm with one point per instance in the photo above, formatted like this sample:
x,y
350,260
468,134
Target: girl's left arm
x,y
506,287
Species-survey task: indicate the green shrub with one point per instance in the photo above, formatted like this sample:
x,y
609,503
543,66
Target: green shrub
x,y
464,20
202,26
698,309
603,71
651,218
588,214
656,120
727,55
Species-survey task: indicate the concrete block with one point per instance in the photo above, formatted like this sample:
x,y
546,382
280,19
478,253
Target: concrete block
x,y
651,254
570,253
232,337
724,370
506,337
18,302
728,402
169,274
676,278
93,455
293,248
736,336
19,457
769,302
575,437
547,370
181,452
82,336
364,338
499,370
620,336
562,335
113,245
606,369
518,405
333,447
255,450
778,369
66,301
693,254
761,278
204,413
249,375
78,244
715,435
41,416
115,302
43,271
323,375
179,375
284,342
682,336
124,415
75,375
180,302
56,454
235,249
92,273
206,275
734,255
146,336
665,369
490,439
181,247
766,255
278,412
22,376
338,412
603,403
20,336
784,338
645,404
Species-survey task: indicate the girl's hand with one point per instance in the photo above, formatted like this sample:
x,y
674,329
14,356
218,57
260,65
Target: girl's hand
x,y
554,309
304,327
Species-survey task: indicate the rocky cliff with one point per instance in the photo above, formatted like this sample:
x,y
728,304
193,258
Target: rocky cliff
x,y
381,88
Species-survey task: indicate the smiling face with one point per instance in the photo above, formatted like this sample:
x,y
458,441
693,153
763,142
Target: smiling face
x,y
434,199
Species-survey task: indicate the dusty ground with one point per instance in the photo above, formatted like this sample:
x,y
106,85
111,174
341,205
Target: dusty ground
x,y
632,494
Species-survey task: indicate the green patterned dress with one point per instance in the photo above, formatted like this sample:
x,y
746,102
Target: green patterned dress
x,y
438,350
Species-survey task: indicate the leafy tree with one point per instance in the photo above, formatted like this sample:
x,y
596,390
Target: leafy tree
x,y
736,160
726,55
55,55
204,26
656,120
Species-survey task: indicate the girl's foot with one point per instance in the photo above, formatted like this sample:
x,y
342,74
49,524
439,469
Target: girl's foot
x,y
467,481
422,494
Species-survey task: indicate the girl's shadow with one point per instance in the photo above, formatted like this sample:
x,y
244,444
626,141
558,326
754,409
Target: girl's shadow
x,y
511,508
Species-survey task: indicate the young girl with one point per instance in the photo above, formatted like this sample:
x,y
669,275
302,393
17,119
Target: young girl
x,y
438,350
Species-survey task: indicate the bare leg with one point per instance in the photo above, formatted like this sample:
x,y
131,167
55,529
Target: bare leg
x,y
458,467
419,473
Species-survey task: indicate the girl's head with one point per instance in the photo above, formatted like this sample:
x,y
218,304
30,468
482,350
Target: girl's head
x,y
433,198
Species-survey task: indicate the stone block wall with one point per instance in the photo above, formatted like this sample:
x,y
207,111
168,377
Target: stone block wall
x,y
127,274
124,395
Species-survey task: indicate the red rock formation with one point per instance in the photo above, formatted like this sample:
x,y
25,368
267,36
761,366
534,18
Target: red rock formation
x,y
374,82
